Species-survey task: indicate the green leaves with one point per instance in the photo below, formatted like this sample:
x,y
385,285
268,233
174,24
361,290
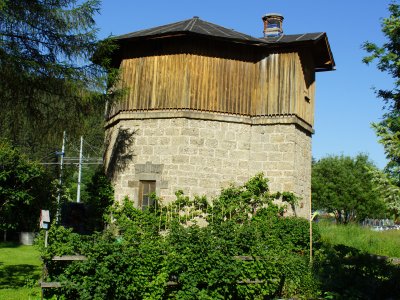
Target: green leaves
x,y
345,272
100,198
387,58
25,189
387,189
46,73
343,186
247,251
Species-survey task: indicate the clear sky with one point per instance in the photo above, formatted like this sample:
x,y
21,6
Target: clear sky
x,y
345,102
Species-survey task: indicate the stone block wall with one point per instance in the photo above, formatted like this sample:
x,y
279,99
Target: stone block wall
x,y
201,156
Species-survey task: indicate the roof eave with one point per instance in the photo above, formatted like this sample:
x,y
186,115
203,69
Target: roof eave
x,y
320,41
188,33
326,63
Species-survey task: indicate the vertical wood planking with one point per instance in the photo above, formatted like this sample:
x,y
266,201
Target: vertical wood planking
x,y
274,85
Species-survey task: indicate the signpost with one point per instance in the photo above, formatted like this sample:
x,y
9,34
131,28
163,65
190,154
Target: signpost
x,y
45,223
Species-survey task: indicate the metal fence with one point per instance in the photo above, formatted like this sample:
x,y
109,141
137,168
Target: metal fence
x,y
380,224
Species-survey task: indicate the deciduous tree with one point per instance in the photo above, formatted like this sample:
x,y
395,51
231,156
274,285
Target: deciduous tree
x,y
387,189
342,185
387,57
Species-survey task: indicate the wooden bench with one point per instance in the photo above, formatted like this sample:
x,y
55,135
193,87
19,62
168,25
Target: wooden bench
x,y
52,285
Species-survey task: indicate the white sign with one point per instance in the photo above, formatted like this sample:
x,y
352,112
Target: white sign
x,y
44,219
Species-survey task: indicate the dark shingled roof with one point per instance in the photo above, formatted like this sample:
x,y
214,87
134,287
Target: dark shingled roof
x,y
194,25
319,41
293,38
321,49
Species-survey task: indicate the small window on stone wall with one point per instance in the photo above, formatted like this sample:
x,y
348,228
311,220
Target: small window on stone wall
x,y
146,187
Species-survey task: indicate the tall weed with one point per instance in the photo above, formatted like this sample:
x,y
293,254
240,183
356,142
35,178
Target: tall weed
x,y
386,243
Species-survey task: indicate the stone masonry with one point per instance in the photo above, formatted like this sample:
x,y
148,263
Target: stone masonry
x,y
200,156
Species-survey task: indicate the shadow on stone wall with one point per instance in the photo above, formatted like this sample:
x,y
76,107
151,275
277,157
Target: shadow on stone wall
x,y
122,151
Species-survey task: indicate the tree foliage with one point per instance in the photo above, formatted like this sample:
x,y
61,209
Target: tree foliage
x,y
387,189
388,57
48,83
25,189
100,196
342,185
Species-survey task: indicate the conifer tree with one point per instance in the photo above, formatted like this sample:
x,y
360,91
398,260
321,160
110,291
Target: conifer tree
x,y
47,79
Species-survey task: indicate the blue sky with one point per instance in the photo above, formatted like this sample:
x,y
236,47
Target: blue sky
x,y
345,102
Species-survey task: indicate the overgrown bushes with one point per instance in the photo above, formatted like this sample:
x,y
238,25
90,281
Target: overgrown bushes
x,y
25,189
347,273
247,251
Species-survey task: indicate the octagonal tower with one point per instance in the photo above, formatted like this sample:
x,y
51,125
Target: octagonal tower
x,y
205,106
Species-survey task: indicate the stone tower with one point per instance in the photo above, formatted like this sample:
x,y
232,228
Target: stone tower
x,y
205,106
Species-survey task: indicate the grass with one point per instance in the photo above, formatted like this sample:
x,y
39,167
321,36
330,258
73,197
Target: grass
x,y
20,270
386,243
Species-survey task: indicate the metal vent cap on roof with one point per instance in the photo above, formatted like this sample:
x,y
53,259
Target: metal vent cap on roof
x,y
272,24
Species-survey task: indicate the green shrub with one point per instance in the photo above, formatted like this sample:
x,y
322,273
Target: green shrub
x,y
247,251
25,189
348,273
100,196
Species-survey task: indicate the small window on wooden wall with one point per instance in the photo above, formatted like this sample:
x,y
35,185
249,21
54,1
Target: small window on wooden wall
x,y
307,96
146,187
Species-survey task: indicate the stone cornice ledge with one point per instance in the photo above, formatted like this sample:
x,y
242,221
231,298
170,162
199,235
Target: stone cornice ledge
x,y
208,116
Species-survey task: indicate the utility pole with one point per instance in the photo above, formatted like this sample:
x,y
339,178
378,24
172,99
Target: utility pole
x,y
62,154
78,190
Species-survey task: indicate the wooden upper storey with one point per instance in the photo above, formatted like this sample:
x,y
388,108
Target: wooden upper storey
x,y
211,68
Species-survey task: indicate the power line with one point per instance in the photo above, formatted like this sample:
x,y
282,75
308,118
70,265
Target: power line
x,y
72,160
92,147
47,156
73,163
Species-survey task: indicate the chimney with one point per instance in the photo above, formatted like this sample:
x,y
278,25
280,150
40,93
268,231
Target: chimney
x,y
272,24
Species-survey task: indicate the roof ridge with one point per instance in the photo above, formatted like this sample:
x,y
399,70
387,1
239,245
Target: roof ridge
x,y
189,24
301,36
320,34
153,29
194,20
194,25
218,29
